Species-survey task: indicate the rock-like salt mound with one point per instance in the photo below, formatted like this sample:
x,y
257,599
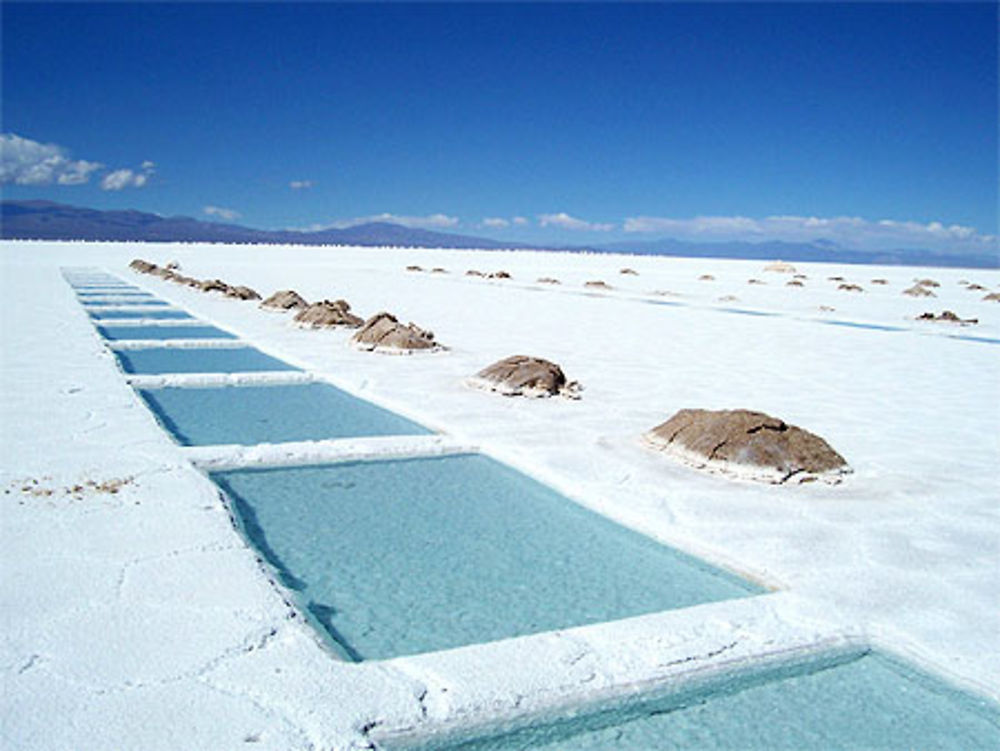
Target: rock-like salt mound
x,y
327,314
285,299
384,333
520,375
241,292
747,444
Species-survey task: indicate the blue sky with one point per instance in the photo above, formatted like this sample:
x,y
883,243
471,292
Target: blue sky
x,y
872,124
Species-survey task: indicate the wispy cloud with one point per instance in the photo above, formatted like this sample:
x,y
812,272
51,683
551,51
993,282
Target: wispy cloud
x,y
431,221
27,162
848,231
563,220
225,214
126,178
495,222
301,184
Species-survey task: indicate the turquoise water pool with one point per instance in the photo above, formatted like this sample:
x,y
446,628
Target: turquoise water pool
x,y
158,360
153,313
125,333
115,301
399,557
867,702
270,414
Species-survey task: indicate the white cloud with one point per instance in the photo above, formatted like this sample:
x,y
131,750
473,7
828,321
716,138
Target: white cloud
x,y
27,162
565,221
848,231
519,220
300,184
126,178
432,221
224,214
495,222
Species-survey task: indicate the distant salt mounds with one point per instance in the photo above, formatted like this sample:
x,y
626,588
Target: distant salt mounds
x,y
747,445
947,316
384,333
285,299
918,290
780,267
327,314
520,375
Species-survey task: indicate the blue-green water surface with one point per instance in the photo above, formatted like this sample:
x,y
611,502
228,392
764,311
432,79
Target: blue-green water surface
x,y
125,333
154,313
270,414
871,702
400,557
158,360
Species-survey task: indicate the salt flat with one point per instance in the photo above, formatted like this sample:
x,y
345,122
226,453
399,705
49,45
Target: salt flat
x,y
140,619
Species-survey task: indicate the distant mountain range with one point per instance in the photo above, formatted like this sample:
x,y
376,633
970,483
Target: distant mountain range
x,y
45,220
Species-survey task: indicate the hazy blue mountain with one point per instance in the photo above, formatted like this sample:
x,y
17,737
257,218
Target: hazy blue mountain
x,y
45,220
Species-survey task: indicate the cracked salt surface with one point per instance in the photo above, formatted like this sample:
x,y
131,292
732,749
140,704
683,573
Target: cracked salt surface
x,y
903,554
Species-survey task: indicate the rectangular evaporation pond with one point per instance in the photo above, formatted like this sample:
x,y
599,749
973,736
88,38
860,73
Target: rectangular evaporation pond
x,y
872,326
158,360
249,415
123,333
869,702
400,557
129,299
745,312
153,314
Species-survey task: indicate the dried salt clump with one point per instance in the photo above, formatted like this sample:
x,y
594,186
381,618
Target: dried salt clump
x,y
629,272
214,285
918,291
143,267
947,316
285,299
384,333
747,444
780,267
548,280
520,375
241,292
597,284
327,314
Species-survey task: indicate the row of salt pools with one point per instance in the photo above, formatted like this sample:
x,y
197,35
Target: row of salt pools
x,y
404,556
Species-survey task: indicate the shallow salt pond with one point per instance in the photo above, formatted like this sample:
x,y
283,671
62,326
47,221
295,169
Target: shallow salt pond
x,y
406,556
248,415
105,301
123,333
160,360
865,701
171,314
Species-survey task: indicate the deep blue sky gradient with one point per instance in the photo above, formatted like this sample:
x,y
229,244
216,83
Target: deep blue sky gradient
x,y
884,110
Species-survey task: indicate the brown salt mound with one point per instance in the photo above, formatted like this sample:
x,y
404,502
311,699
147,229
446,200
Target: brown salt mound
x,y
918,291
597,284
285,299
629,272
213,285
947,316
143,267
706,278
383,332
548,280
748,444
992,297
780,267
241,292
794,283
519,375
327,314
850,288
499,275
880,281
927,283
474,272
